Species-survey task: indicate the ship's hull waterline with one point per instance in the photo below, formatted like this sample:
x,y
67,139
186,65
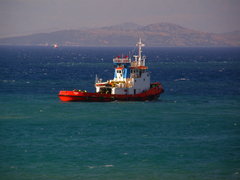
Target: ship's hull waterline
x,y
151,94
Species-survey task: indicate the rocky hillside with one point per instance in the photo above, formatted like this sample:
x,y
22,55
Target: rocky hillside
x,y
159,35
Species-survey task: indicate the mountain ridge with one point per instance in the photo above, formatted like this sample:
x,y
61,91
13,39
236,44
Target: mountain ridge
x,y
158,35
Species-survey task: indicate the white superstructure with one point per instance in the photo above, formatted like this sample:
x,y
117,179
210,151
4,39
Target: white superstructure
x,y
130,77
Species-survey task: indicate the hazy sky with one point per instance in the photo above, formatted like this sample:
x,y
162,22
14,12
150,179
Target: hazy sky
x,y
30,16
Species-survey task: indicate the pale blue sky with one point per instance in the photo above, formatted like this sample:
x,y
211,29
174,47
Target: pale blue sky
x,y
18,17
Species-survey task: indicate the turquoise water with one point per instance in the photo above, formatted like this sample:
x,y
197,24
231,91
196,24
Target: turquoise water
x,y
191,132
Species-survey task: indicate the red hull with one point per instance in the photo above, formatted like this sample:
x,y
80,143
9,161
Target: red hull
x,y
151,94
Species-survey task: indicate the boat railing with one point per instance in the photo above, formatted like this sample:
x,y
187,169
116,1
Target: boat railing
x,y
121,60
134,64
124,84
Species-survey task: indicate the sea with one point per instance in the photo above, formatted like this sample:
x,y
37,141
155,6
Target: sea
x,y
192,132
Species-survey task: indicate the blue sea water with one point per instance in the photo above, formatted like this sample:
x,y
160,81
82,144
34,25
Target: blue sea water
x,y
191,132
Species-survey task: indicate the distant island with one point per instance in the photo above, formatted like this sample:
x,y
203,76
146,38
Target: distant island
x,y
155,35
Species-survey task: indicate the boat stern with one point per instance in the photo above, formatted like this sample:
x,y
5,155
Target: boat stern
x,y
71,95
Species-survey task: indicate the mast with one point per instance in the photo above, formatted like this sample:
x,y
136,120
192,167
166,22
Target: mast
x,y
140,45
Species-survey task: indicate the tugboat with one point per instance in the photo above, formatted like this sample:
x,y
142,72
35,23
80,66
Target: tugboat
x,y
131,82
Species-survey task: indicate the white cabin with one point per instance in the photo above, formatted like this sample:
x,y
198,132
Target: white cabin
x,y
130,77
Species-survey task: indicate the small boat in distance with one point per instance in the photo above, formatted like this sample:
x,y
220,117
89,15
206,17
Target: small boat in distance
x,y
55,45
131,82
